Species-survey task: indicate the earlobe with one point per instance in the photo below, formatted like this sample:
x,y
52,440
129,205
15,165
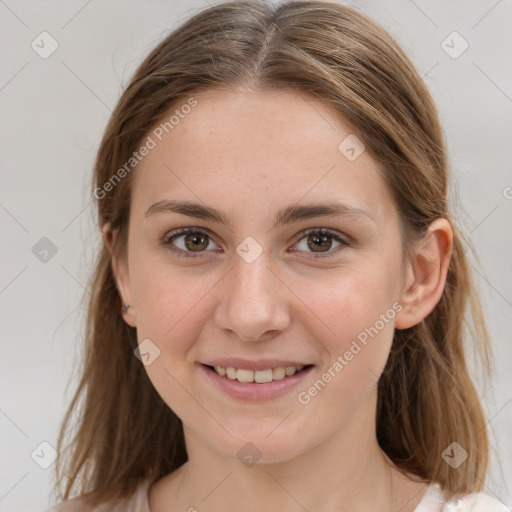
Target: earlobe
x,y
121,277
426,275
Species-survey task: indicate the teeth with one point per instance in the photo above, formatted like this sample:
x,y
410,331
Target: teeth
x,y
262,376
278,373
258,376
244,375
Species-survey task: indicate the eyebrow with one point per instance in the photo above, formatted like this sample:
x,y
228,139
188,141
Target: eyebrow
x,y
287,215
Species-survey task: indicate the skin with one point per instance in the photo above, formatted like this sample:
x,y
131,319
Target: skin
x,y
249,154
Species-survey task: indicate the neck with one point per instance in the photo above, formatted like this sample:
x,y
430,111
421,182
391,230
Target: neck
x,y
346,472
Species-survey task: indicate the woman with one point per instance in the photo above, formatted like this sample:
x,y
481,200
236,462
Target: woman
x,y
276,317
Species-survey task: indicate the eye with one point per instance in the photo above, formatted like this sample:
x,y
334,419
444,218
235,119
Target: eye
x,y
320,241
195,241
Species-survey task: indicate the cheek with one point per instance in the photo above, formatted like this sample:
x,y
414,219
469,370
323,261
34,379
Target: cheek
x,y
171,304
172,308
346,303
360,312
357,307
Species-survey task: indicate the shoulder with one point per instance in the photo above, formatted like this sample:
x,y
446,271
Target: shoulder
x,y
81,505
72,505
137,502
435,501
475,502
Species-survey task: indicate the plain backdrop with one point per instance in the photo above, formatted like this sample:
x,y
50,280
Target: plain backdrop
x,y
53,113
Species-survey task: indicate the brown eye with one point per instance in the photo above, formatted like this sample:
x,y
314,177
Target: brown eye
x,y
319,243
196,241
188,242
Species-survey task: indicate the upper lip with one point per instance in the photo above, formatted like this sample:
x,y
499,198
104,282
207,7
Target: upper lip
x,y
260,364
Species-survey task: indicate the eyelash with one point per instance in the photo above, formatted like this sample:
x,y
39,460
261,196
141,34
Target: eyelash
x,y
170,237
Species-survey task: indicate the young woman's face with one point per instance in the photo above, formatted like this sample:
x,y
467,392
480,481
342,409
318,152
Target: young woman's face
x,y
254,285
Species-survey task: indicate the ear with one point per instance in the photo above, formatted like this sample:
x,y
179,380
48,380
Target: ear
x,y
426,274
121,276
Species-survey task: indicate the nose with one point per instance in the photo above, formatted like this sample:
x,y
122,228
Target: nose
x,y
254,303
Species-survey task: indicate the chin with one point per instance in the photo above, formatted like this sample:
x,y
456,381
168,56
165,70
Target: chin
x,y
259,447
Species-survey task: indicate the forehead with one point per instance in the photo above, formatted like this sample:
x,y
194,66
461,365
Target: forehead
x,y
254,149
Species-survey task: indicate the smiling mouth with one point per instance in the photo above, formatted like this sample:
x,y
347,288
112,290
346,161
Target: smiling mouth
x,y
258,376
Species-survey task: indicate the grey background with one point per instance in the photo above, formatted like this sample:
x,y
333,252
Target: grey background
x,y
53,112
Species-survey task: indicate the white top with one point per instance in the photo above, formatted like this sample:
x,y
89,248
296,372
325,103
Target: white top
x,y
432,501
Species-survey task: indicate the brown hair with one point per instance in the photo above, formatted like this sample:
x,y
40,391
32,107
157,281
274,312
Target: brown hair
x,y
125,431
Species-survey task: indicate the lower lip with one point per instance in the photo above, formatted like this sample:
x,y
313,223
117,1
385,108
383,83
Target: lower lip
x,y
254,390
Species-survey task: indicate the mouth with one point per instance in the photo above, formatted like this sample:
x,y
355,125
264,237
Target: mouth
x,y
253,380
263,376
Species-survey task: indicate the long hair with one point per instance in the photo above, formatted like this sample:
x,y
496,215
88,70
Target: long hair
x,y
123,432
